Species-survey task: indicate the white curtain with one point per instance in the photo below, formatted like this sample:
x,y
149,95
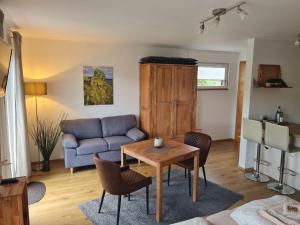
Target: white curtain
x,y
16,114
4,148
4,153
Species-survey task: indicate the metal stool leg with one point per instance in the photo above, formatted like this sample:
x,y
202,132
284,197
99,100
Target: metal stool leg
x,y
256,175
281,187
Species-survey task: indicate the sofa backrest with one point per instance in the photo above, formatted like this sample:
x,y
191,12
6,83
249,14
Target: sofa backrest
x,y
82,128
117,125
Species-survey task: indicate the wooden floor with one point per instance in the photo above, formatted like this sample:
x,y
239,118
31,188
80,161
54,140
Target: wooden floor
x,y
65,191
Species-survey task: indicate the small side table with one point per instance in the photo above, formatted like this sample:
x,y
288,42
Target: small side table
x,y
14,203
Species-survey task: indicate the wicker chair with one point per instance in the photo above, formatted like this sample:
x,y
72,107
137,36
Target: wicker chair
x,y
201,141
120,181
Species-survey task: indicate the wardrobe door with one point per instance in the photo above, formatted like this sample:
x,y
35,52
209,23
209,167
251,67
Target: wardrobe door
x,y
185,99
146,80
163,100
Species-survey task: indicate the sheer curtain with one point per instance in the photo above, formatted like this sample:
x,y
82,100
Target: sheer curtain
x,y
16,114
4,149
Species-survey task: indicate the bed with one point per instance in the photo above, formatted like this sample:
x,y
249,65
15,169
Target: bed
x,y
250,214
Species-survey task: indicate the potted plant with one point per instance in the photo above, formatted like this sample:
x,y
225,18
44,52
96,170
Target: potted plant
x,y
45,134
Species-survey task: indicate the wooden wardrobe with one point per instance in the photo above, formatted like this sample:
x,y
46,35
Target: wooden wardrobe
x,y
168,95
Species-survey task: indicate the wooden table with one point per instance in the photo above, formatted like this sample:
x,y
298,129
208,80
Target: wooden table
x,y
14,203
171,152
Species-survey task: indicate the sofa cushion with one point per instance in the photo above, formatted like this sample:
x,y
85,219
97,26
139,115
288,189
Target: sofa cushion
x,y
114,143
82,128
89,146
117,125
135,134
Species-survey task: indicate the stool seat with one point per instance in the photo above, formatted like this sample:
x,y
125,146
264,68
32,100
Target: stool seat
x,y
253,131
277,136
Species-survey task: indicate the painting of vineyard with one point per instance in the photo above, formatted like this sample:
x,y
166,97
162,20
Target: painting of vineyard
x,y
98,85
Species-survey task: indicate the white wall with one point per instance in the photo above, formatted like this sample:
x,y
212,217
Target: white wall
x,y
265,101
244,145
59,63
216,109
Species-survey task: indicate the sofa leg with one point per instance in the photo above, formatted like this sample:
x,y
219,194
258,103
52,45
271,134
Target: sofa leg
x,y
72,170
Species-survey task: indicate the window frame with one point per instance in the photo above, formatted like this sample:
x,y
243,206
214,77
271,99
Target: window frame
x,y
216,65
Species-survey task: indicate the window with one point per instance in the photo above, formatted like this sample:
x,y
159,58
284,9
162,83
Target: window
x,y
212,76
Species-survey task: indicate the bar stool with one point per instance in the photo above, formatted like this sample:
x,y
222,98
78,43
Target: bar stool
x,y
277,136
253,131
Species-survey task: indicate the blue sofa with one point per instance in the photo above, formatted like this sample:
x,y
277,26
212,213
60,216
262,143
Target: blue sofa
x,y
83,137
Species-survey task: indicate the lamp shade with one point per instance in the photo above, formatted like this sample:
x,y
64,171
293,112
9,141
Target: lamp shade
x,y
35,88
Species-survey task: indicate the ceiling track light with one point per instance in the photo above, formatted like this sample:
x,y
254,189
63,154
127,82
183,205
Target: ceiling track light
x,y
217,13
297,42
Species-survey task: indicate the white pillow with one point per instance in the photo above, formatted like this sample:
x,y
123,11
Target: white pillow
x,y
248,214
195,221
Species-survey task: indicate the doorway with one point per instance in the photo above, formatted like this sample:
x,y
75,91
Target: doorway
x,y
239,105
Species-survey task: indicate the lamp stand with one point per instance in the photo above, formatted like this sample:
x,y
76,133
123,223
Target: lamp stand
x,y
38,165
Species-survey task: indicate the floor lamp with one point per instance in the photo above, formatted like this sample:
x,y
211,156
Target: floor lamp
x,y
36,89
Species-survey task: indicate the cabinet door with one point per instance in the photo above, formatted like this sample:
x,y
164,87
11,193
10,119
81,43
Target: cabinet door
x,y
164,95
185,98
146,99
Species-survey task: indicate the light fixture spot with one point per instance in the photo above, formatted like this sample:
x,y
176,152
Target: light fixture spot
x,y
217,20
242,13
297,42
202,28
219,11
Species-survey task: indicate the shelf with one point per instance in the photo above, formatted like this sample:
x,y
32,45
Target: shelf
x,y
273,87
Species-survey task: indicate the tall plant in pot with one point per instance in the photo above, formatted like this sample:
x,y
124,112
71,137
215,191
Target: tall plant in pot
x,y
45,134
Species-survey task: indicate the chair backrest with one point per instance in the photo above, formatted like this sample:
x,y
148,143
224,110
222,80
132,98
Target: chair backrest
x,y
110,175
201,141
277,136
252,130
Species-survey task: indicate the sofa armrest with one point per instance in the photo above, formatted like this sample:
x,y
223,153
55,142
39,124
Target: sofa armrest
x,y
69,141
135,134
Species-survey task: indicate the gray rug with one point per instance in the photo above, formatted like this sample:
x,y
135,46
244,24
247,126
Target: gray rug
x,y
177,204
36,191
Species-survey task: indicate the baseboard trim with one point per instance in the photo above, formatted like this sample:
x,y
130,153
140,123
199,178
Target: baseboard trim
x,y
51,160
226,139
246,170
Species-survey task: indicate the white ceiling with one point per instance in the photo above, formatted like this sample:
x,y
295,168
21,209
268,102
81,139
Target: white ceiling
x,y
154,22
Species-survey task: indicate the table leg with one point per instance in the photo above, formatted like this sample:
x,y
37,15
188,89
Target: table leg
x,y
123,157
196,176
159,193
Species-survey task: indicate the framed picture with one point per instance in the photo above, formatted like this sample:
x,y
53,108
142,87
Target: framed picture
x,y
98,85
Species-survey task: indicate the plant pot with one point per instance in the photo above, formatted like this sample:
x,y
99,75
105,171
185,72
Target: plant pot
x,y
46,166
